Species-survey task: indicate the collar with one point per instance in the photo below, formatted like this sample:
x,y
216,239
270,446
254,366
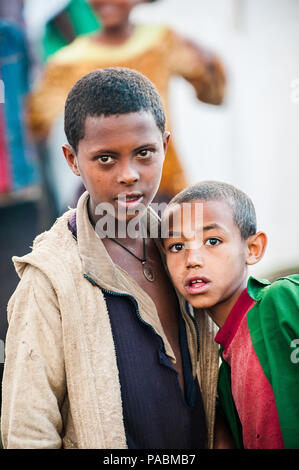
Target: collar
x,y
143,38
232,323
256,287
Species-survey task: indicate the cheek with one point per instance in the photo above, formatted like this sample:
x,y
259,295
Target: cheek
x,y
229,265
174,271
97,176
152,173
170,266
156,164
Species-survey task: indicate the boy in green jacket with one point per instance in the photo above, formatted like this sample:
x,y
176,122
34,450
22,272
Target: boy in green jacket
x,y
210,238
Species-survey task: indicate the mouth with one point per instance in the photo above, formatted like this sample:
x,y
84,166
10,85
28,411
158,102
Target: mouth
x,y
129,200
197,285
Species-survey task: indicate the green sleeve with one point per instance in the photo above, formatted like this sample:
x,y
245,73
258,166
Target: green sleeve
x,y
274,326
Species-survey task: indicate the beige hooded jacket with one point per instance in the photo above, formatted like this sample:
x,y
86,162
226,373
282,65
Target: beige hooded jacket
x,y
61,385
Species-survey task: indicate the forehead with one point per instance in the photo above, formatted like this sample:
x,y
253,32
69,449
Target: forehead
x,y
116,128
189,217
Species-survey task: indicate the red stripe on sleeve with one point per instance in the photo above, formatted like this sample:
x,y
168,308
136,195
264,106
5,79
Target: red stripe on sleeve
x,y
5,176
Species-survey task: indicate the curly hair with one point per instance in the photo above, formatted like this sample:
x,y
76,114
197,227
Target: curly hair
x,y
109,91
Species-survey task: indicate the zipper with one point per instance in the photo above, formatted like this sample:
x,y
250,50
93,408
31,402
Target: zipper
x,y
120,294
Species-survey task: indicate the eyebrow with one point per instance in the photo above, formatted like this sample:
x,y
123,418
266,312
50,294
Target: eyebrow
x,y
212,227
97,152
152,144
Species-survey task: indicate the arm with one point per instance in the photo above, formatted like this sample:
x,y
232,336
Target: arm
x,y
199,67
34,383
64,25
211,87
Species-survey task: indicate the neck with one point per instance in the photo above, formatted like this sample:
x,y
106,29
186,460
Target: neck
x,y
221,311
115,34
107,226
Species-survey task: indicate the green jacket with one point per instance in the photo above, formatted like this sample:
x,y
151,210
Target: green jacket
x,y
273,324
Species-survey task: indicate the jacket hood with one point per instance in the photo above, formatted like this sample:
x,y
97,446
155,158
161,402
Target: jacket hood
x,y
45,245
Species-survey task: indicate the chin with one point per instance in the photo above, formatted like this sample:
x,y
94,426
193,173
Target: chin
x,y
199,303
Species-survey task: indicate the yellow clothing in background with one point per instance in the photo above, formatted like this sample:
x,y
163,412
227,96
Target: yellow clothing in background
x,y
156,51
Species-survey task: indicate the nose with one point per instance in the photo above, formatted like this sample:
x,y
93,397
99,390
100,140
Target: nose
x,y
194,255
128,175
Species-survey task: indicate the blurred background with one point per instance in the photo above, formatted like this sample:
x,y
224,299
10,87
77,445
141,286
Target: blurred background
x,y
250,139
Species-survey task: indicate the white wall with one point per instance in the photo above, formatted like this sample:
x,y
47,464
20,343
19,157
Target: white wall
x,y
252,141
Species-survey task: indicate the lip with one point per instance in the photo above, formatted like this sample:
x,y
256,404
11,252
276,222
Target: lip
x,y
199,287
131,200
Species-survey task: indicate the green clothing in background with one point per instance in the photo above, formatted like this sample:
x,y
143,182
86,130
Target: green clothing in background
x,y
82,20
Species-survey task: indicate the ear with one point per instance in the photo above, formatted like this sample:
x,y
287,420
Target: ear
x,y
166,138
256,245
71,158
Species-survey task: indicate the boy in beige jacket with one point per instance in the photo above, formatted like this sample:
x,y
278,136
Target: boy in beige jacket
x,y
101,352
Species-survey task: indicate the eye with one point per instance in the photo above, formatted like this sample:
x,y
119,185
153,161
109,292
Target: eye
x,y
213,242
106,159
175,248
145,153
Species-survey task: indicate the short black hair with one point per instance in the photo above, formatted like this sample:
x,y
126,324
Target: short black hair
x,y
242,207
109,91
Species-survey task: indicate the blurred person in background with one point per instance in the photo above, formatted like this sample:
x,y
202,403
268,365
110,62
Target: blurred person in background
x,y
12,11
157,51
74,17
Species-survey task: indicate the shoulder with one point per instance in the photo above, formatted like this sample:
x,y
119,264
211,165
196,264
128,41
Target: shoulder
x,y
34,297
149,35
282,288
71,53
33,283
51,249
47,273
277,302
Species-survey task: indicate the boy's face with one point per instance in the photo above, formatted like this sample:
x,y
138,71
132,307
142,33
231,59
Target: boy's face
x,y
205,254
113,12
120,161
